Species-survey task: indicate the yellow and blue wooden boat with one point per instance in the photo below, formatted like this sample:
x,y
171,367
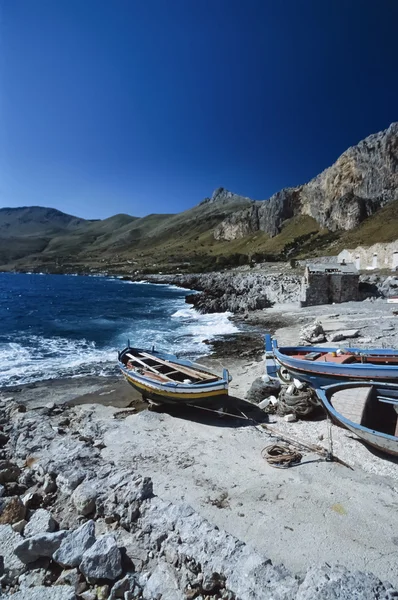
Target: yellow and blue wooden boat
x,y
165,379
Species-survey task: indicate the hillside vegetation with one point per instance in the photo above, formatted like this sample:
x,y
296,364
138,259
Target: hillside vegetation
x,y
354,202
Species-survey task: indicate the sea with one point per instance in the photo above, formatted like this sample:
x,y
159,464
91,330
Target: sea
x,y
55,326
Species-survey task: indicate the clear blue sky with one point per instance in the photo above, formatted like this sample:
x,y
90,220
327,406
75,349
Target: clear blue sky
x,y
147,106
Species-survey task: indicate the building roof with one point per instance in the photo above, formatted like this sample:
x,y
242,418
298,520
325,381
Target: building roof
x,y
346,268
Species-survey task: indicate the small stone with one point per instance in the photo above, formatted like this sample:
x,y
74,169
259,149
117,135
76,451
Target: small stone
x,y
19,526
102,592
73,547
2,490
49,485
32,578
8,471
99,444
102,561
88,595
50,406
3,439
38,546
40,522
32,500
69,577
127,584
84,498
12,510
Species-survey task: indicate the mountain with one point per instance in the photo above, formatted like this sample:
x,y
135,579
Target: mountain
x,y
353,202
362,180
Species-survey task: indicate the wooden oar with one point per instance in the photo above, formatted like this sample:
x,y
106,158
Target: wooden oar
x,y
182,369
149,368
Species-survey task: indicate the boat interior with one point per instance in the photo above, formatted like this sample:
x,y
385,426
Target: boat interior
x,y
346,357
370,406
165,371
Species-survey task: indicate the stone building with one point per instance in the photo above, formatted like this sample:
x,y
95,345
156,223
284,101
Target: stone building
x,y
328,283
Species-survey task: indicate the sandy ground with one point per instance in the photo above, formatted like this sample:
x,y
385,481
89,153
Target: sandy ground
x,y
312,513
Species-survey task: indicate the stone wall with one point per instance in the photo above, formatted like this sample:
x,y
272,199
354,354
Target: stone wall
x,y
326,288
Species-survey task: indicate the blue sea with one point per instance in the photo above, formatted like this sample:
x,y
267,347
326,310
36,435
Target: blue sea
x,y
63,325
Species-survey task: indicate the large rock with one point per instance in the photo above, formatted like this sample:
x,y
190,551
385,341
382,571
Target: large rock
x,y
40,522
337,583
344,334
39,546
12,510
12,565
84,498
72,548
127,584
102,561
313,333
59,592
9,471
164,584
67,481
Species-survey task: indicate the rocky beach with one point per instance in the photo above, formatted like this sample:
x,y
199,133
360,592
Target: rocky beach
x,y
102,498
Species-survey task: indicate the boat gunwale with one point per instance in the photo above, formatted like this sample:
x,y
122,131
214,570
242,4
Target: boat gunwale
x,y
326,392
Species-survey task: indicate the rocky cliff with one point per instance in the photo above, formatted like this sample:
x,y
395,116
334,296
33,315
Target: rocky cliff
x,y
362,180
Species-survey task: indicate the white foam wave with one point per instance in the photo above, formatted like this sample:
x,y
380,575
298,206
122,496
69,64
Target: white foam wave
x,y
50,358
199,327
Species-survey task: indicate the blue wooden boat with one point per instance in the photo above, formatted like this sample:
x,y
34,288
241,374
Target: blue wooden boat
x,y
320,366
163,378
369,411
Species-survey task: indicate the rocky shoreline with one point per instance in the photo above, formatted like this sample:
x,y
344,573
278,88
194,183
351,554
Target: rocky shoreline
x,y
244,291
76,525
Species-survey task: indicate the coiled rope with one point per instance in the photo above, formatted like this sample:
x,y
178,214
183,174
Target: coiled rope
x,y
281,456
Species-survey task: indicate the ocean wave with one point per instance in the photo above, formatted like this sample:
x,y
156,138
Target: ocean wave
x,y
199,328
50,358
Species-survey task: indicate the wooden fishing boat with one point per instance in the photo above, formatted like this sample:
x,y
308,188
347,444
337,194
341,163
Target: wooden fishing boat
x,y
165,379
369,411
320,366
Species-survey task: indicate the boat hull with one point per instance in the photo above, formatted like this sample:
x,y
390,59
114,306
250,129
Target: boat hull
x,y
320,374
176,396
177,393
381,441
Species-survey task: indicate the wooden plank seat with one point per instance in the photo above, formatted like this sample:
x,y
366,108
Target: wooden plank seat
x,y
183,369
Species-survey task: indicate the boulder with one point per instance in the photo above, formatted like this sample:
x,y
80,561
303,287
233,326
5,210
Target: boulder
x,y
102,561
127,584
69,577
337,583
49,485
163,584
12,566
59,592
12,510
262,388
40,522
313,333
40,545
19,526
68,481
8,471
72,548
84,498
344,334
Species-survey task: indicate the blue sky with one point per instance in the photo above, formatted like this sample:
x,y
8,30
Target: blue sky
x,y
141,107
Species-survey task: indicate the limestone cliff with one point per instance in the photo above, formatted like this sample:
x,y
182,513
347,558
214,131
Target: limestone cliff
x,y
362,180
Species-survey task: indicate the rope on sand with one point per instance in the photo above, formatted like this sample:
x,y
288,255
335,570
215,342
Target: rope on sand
x,y
281,456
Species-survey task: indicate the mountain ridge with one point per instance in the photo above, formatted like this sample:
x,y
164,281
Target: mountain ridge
x,y
339,206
